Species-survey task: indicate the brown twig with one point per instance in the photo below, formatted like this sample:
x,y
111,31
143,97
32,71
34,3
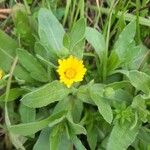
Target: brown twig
x,y
4,12
2,16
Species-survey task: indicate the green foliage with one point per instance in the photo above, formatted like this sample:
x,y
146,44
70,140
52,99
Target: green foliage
x,y
77,33
7,51
104,108
50,31
75,40
25,26
33,127
92,135
52,92
27,114
96,39
122,45
140,80
43,140
13,94
122,136
108,110
32,65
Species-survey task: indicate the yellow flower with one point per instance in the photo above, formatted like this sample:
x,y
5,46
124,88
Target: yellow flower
x,y
71,70
1,74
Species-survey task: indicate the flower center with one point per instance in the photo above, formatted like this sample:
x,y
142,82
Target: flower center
x,y
70,73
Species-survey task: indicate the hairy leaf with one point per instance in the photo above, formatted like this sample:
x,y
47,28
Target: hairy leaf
x,y
122,136
33,127
51,31
96,39
104,108
32,65
51,92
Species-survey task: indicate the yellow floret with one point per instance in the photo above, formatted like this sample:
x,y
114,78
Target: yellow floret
x,y
71,70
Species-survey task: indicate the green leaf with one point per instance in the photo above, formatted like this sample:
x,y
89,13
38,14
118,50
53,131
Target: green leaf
x,y
76,129
55,137
77,33
65,143
113,62
29,128
57,121
72,130
51,31
58,139
83,94
3,83
119,85
144,134
122,136
122,45
39,49
96,39
27,114
43,141
92,136
7,51
13,94
62,105
140,80
54,141
22,74
25,25
139,105
32,65
77,110
141,53
33,127
8,48
78,49
131,54
96,93
77,143
122,96
66,40
17,141
51,92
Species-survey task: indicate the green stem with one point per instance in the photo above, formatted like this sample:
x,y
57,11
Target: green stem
x,y
7,120
27,7
137,21
98,15
113,4
66,11
89,54
77,12
127,16
82,6
72,13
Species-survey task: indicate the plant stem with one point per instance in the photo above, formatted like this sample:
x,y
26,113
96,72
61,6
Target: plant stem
x,y
113,4
7,120
127,16
27,7
72,13
66,11
99,13
137,21
82,5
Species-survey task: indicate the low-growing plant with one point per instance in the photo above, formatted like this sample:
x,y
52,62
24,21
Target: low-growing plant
x,y
58,95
